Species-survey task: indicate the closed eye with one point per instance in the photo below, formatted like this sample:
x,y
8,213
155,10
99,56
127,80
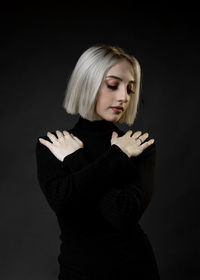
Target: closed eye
x,y
115,87
112,87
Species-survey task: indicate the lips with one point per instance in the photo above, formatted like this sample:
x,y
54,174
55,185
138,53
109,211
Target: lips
x,y
118,107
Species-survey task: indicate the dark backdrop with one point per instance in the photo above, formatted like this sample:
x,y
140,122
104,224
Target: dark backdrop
x,y
40,45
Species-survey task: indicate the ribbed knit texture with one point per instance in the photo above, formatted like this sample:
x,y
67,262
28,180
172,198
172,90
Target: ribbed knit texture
x,y
99,195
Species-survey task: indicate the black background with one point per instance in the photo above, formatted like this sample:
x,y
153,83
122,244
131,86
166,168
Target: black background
x,y
40,44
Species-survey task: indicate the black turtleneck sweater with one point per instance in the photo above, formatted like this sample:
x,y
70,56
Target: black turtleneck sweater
x,y
99,194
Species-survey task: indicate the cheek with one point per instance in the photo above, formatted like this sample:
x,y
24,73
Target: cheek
x,y
103,99
100,102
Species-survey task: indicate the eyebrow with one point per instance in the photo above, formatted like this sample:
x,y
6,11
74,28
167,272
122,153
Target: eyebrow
x,y
118,78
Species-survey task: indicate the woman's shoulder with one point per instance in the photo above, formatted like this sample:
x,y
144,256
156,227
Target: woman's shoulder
x,y
45,135
43,153
40,148
150,150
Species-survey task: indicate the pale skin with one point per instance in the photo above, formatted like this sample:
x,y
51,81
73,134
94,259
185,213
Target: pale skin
x,y
116,90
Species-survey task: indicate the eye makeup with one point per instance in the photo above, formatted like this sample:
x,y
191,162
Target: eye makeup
x,y
114,86
111,87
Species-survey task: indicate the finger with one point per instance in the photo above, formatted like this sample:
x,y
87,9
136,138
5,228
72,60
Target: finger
x,y
143,137
147,144
114,134
137,134
45,143
129,132
66,133
151,141
59,134
76,138
52,137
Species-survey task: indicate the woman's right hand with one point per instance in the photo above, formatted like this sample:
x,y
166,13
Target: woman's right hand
x,y
131,145
65,144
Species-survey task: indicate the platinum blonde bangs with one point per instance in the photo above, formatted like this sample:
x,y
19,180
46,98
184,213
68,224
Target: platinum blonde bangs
x,y
87,76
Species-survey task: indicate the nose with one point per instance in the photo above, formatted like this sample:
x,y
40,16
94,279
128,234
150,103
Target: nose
x,y
122,94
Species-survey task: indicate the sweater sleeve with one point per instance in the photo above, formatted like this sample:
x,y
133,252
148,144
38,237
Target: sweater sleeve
x,y
124,206
75,178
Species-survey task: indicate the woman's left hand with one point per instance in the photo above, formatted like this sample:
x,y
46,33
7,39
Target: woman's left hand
x,y
65,144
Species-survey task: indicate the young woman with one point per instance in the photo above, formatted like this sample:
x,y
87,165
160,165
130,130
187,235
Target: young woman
x,y
98,179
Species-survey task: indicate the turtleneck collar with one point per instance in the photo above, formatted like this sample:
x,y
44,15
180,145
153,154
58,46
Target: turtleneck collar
x,y
97,125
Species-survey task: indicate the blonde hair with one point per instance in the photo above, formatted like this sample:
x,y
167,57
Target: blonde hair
x,y
86,78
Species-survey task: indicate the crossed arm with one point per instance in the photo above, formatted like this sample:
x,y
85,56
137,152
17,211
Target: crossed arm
x,y
75,178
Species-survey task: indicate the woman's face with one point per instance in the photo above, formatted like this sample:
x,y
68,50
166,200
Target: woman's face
x,y
115,90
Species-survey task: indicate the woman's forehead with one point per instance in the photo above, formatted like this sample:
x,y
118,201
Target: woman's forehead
x,y
122,69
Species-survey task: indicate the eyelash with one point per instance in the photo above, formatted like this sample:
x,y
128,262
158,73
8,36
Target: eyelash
x,y
115,87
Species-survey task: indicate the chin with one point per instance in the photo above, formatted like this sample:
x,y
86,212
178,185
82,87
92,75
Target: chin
x,y
109,117
112,118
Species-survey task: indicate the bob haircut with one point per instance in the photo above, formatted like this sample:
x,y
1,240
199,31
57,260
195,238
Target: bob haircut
x,y
86,78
